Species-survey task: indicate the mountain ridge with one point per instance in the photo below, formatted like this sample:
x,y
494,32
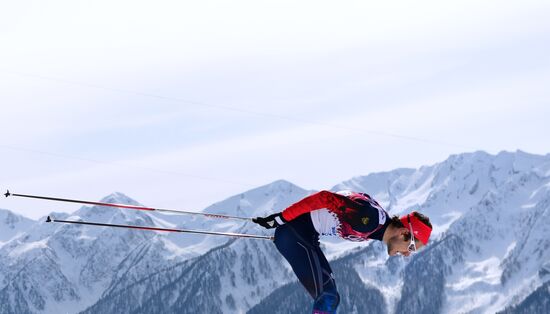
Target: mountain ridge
x,y
469,198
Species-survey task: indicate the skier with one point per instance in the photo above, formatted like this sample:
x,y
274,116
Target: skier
x,y
352,216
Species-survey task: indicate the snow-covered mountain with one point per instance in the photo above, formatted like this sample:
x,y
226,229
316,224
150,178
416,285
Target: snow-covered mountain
x,y
230,278
66,268
12,225
490,249
489,252
55,267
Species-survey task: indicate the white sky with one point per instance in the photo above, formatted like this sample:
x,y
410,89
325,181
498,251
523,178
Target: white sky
x,y
179,104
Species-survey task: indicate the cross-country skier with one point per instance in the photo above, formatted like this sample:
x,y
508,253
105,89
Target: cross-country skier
x,y
350,215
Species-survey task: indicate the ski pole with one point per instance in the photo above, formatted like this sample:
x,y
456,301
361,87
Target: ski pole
x,y
228,234
126,206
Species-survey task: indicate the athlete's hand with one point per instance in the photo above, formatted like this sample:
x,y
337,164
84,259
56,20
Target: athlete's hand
x,y
271,221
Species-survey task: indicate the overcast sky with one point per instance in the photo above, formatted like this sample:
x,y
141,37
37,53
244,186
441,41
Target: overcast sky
x,y
180,104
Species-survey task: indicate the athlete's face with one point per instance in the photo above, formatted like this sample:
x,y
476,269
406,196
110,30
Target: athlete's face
x,y
400,243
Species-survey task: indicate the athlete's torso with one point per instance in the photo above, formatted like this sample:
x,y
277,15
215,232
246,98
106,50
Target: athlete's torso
x,y
355,223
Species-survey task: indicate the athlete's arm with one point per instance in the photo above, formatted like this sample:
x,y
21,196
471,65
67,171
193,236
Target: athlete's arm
x,y
323,199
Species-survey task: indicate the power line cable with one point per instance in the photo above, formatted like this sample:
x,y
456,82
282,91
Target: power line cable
x,y
240,110
64,156
213,106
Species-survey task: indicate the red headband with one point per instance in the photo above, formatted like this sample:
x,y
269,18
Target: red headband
x,y
421,231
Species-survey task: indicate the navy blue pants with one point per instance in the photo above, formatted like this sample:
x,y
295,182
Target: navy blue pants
x,y
298,242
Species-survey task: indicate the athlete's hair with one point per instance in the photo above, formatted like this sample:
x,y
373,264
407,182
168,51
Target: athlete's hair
x,y
396,222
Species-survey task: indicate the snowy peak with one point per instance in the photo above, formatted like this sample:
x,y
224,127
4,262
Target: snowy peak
x,y
375,183
110,214
12,220
267,199
520,160
260,201
119,198
12,225
283,186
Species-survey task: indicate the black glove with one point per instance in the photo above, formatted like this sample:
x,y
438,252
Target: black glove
x,y
271,221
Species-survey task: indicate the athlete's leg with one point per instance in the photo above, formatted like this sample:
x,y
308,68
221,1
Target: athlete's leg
x,y
298,243
328,300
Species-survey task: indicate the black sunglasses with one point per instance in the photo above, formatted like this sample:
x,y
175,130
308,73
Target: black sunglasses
x,y
412,245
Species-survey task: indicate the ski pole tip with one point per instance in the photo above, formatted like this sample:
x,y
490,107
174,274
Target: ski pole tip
x,y
7,193
48,219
